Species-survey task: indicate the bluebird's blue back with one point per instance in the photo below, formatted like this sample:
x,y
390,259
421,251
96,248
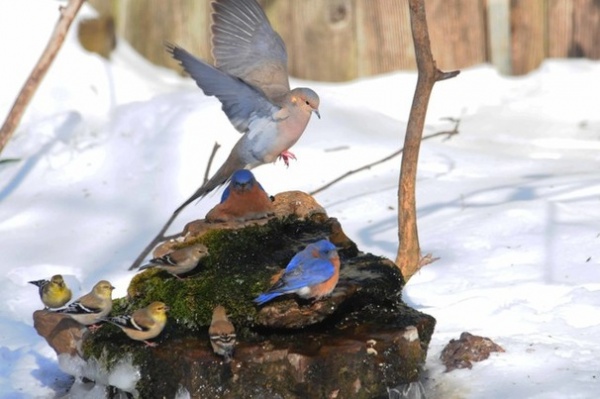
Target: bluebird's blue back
x,y
308,268
322,246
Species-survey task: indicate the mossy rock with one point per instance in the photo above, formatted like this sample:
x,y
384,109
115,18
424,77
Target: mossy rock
x,y
351,343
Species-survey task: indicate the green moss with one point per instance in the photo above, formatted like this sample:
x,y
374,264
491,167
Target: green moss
x,y
239,266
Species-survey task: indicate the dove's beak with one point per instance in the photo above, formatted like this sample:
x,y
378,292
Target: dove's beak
x,y
316,111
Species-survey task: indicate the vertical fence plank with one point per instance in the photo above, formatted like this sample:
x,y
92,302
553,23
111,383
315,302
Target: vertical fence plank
x,y
320,37
383,37
457,31
498,19
586,29
528,25
147,24
574,28
560,27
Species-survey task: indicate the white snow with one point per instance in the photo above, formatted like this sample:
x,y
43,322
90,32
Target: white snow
x,y
511,205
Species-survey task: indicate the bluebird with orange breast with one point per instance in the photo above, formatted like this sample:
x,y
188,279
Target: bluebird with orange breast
x,y
243,199
311,274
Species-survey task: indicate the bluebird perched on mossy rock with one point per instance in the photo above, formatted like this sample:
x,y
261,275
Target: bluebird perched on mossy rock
x,y
311,274
243,199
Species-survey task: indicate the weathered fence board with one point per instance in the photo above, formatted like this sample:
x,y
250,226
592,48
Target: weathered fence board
x,y
338,40
528,26
574,28
457,29
383,37
148,24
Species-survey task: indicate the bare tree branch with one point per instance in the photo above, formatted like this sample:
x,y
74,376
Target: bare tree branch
x,y
67,15
161,234
448,133
158,238
408,257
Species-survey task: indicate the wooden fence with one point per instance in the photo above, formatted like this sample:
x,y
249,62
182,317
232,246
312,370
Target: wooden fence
x,y
338,40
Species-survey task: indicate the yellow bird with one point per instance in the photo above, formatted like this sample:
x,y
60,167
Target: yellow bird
x,y
143,324
179,261
54,293
93,306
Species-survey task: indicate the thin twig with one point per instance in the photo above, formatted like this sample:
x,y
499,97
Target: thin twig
x,y
427,259
424,261
448,133
67,15
440,75
160,237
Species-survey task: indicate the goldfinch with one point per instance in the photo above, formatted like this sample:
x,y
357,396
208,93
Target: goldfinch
x,y
179,261
92,307
222,333
54,293
143,324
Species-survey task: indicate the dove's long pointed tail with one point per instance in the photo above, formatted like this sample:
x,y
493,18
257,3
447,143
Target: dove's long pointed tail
x,y
224,173
232,164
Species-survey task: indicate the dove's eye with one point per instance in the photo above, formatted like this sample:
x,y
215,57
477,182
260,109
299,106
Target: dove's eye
x,y
307,103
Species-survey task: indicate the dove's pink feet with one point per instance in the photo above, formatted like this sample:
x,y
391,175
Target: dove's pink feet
x,y
286,156
94,327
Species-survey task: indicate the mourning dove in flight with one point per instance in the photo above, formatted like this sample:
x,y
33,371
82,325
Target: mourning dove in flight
x,y
250,79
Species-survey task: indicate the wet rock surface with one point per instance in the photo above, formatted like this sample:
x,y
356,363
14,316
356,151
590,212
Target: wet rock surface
x,y
356,343
61,332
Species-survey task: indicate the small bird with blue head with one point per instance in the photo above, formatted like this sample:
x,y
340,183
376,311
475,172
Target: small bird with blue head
x,y
312,273
243,199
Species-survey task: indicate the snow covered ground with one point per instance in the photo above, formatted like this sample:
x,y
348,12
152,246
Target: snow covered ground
x,y
511,205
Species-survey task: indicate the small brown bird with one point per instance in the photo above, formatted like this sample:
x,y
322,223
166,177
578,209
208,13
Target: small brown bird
x,y
92,307
179,261
143,324
54,293
222,334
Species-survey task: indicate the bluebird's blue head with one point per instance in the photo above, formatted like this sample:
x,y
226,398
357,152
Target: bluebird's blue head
x,y
325,248
241,180
242,177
